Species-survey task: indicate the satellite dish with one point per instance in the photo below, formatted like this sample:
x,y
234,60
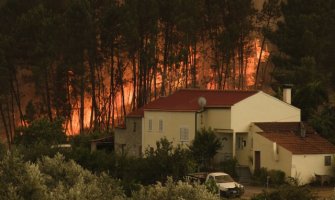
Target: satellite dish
x,y
202,102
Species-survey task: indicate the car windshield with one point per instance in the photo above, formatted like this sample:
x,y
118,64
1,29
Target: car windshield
x,y
223,179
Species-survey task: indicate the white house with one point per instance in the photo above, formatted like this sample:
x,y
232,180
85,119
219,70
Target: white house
x,y
233,115
292,147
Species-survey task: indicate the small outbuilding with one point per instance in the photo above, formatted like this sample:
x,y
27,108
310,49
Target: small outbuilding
x,y
294,148
106,143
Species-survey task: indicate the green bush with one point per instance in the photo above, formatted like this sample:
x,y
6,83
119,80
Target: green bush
x,y
53,178
287,192
41,131
40,139
37,151
229,166
204,147
3,150
260,175
171,190
84,140
276,177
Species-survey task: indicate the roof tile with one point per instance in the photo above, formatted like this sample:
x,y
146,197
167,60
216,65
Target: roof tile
x,y
187,100
286,134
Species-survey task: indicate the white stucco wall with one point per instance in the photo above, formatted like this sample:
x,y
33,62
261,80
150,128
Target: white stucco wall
x,y
243,153
246,155
268,158
304,167
261,107
172,122
217,118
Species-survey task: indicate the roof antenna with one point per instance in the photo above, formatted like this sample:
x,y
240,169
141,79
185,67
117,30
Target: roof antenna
x,y
202,102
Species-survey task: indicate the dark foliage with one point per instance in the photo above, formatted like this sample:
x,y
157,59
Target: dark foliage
x,y
204,147
41,131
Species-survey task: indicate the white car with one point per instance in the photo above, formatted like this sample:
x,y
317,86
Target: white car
x,y
226,184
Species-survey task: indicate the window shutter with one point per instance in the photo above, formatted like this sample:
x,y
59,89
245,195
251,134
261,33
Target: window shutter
x,y
184,135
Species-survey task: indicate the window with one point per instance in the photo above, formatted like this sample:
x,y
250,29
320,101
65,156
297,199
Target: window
x,y
241,143
328,160
160,125
150,125
184,137
134,127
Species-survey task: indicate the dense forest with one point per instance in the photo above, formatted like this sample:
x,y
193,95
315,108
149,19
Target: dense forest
x,y
80,66
90,62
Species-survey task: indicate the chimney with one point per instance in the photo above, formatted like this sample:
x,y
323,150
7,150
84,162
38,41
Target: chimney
x,y
287,93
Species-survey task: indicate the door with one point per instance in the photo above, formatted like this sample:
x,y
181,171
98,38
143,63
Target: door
x,y
257,160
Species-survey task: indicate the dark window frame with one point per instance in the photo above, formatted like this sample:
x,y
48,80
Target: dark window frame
x,y
328,160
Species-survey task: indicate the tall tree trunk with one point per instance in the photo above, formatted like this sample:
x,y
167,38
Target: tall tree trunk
x,y
16,93
69,112
155,68
111,91
95,113
12,111
165,58
10,122
260,53
225,80
5,126
259,62
186,59
135,97
145,67
123,106
140,79
82,103
194,66
245,84
241,64
234,71
47,92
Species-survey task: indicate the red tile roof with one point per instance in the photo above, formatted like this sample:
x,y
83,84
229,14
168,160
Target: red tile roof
x,y
187,100
284,127
287,136
136,113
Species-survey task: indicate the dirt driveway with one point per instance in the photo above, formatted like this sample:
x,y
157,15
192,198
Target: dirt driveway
x,y
324,193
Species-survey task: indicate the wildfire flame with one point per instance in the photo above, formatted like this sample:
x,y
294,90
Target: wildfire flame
x,y
175,80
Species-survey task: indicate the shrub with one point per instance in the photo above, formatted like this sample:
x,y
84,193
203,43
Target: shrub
x,y
84,140
37,151
229,166
53,178
287,192
41,131
204,147
166,161
276,177
260,175
171,190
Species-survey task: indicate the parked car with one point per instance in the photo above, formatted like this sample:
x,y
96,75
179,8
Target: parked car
x,y
227,187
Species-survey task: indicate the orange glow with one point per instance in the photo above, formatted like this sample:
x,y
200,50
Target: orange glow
x,y
175,79
253,61
73,126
